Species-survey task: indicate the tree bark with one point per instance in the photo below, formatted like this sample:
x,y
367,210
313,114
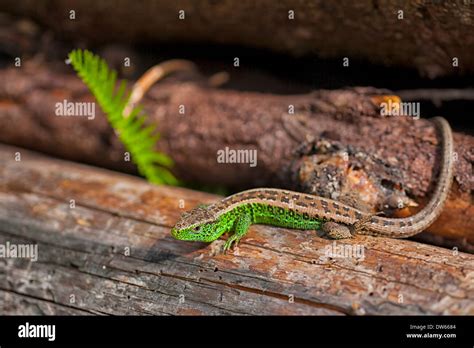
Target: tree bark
x,y
426,35
112,252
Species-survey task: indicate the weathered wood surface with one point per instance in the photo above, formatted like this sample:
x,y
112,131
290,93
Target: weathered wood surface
x,y
82,255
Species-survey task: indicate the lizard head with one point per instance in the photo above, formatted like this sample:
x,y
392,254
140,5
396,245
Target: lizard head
x,y
199,224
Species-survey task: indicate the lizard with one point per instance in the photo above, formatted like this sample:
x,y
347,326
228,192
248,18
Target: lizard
x,y
304,211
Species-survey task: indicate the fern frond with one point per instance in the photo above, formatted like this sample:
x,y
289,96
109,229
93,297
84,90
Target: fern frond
x,y
138,139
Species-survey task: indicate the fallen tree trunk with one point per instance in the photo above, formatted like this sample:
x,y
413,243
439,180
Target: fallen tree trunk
x,y
394,157
104,247
426,35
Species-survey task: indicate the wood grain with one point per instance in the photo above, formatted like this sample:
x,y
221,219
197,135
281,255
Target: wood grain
x,y
82,255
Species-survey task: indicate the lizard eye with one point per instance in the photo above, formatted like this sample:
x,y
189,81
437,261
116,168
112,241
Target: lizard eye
x,y
197,228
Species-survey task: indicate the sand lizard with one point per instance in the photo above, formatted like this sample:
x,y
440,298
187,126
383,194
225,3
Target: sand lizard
x,y
304,211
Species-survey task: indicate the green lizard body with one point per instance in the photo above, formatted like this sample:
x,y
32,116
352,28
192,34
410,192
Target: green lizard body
x,y
239,220
304,211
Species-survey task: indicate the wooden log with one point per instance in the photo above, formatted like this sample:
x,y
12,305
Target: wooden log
x,y
105,248
419,34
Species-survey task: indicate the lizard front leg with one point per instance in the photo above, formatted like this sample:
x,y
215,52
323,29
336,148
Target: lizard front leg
x,y
241,227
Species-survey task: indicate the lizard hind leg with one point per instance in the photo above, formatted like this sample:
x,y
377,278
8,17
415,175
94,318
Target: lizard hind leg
x,y
241,226
335,230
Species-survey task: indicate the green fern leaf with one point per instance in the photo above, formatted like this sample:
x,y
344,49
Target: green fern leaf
x,y
138,139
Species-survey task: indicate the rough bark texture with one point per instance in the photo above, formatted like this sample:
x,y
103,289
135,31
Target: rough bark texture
x,y
387,157
83,255
428,37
